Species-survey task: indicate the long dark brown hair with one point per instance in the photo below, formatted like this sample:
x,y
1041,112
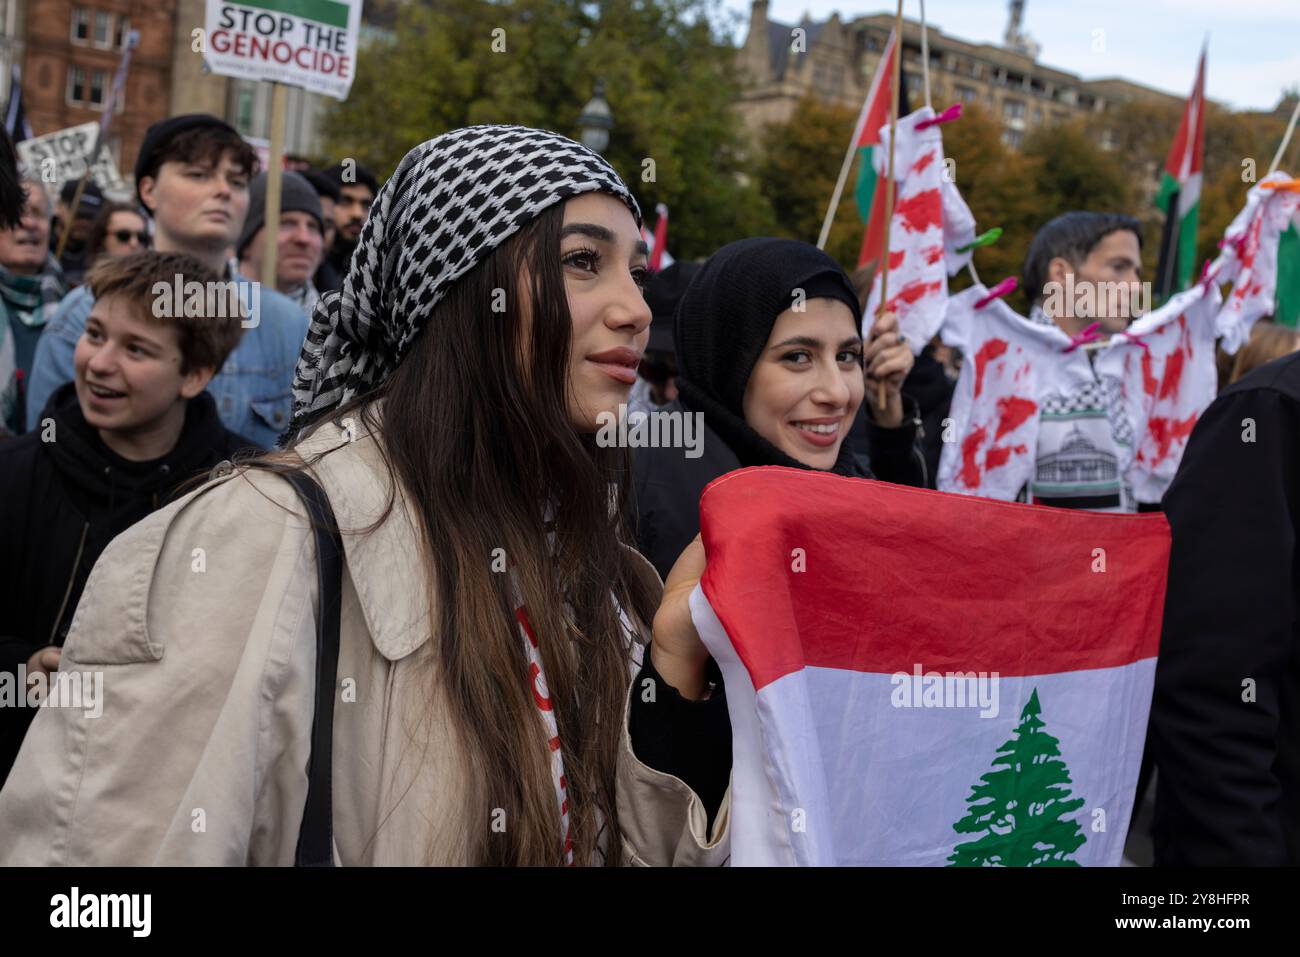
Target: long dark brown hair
x,y
476,429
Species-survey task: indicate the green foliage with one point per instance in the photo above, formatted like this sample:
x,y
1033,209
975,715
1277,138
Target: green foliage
x,y
669,80
1020,807
798,162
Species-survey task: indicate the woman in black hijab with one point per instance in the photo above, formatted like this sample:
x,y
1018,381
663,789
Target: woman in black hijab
x,y
769,353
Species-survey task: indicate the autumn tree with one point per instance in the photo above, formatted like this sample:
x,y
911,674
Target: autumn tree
x,y
797,165
669,79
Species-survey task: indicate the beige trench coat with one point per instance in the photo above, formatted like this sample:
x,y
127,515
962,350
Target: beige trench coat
x,y
201,619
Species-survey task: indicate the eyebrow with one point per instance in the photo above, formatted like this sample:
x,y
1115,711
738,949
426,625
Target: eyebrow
x,y
131,337
812,343
602,235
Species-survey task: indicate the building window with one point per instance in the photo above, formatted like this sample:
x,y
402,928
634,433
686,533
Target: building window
x,y
1038,114
80,24
966,94
103,28
1013,109
76,85
1013,138
123,28
98,88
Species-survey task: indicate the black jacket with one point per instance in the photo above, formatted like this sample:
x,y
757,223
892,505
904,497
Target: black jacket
x,y
667,485
61,503
1225,720
932,390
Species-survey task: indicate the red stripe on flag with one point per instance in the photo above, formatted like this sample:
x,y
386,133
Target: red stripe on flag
x,y
873,237
1189,143
894,577
875,108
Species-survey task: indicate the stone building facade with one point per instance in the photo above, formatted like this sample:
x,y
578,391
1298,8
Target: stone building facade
x,y
835,60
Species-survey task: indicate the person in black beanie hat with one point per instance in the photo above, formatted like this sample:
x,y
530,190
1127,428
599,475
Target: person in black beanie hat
x,y
192,177
300,244
769,354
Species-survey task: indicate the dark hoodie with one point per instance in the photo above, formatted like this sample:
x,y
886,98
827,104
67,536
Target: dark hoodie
x,y
61,503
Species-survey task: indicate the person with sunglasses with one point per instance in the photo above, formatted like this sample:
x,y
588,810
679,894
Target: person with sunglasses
x,y
118,229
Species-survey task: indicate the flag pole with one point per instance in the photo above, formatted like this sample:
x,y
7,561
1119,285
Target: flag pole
x,y
110,106
844,175
1286,139
72,214
848,157
881,398
271,227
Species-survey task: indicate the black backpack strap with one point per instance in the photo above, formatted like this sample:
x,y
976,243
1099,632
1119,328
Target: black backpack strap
x,y
316,835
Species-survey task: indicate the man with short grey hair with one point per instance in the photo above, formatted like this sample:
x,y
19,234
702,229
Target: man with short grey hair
x,y
31,285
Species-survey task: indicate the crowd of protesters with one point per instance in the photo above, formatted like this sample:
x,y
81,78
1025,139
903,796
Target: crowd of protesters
x,y
493,303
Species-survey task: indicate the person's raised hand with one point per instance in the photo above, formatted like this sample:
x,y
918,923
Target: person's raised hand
x,y
676,651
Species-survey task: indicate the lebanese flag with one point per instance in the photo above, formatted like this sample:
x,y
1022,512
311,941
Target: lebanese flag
x,y
1180,193
866,137
916,678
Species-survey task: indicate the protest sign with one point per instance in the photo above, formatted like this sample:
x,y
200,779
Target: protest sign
x,y
306,43
61,156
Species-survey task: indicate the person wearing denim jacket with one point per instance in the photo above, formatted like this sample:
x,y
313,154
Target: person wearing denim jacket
x,y
192,175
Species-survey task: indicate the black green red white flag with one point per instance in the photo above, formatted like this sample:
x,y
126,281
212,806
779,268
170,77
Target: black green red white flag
x,y
1180,193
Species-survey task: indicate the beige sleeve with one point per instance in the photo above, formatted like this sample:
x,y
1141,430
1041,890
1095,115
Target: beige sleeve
x,y
663,821
197,625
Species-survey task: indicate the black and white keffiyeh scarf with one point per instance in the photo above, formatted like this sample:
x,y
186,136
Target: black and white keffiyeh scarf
x,y
450,203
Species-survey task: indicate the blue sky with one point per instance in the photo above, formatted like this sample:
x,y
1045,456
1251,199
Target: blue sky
x,y
1254,44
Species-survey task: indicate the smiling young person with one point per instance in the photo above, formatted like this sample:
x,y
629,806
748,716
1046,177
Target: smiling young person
x,y
132,426
192,176
769,352
491,616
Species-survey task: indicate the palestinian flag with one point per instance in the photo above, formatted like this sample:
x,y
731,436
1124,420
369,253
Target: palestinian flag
x,y
658,243
866,136
916,678
1287,308
1180,194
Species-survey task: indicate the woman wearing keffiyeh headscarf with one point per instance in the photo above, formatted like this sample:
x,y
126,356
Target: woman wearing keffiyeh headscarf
x,y
491,616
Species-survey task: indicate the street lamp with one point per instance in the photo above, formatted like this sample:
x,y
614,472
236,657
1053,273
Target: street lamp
x,y
596,120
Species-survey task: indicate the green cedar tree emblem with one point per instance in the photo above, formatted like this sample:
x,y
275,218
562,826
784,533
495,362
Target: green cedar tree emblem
x,y
1020,807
